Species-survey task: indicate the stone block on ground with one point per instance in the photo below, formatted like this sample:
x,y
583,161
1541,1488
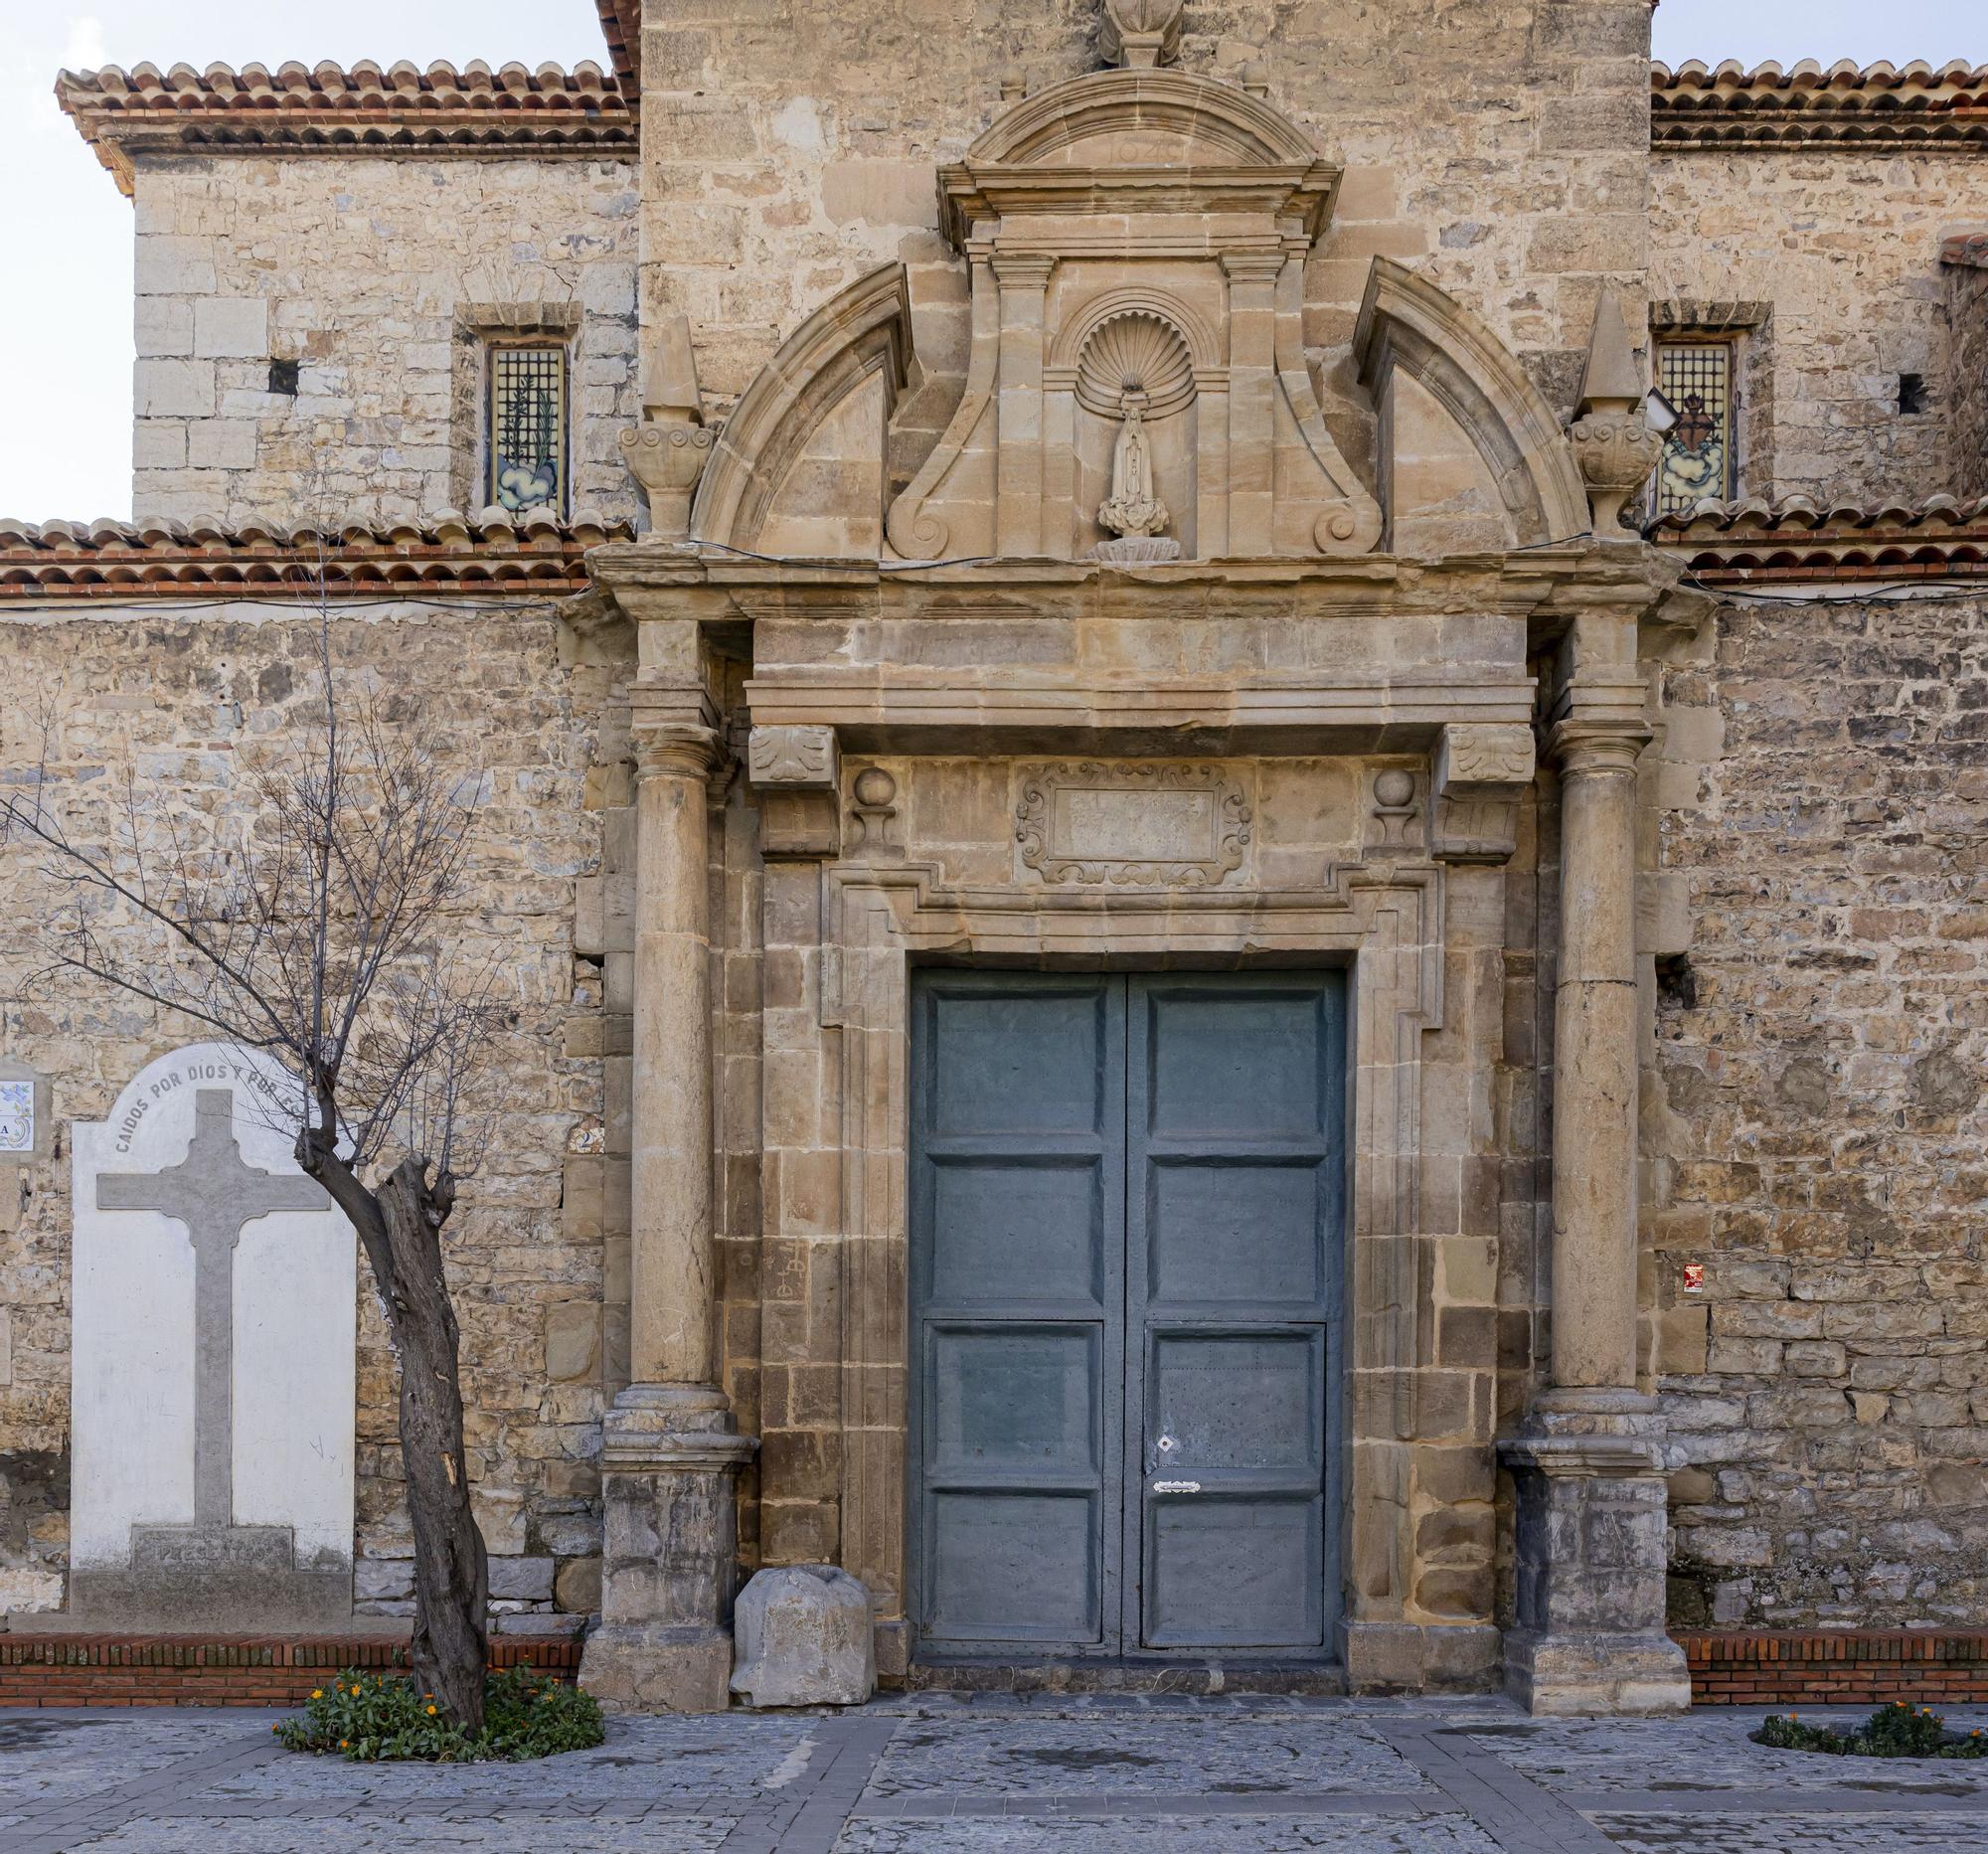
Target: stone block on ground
x,y
804,1637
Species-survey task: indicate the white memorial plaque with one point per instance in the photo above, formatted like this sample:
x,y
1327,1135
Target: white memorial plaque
x,y
213,1355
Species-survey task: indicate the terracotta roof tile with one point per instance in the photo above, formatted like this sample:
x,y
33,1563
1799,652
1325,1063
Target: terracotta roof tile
x,y
1965,247
367,108
112,562
1847,105
1741,543
622,23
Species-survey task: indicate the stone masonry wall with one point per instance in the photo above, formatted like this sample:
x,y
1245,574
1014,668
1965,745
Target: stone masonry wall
x,y
1816,1126
1501,148
1967,411
1846,247
148,693
370,274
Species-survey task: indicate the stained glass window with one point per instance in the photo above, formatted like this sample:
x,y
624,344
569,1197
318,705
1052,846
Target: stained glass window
x,y
1697,378
528,439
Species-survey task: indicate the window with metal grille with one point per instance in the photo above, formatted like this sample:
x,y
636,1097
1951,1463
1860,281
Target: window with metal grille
x,y
528,420
1696,464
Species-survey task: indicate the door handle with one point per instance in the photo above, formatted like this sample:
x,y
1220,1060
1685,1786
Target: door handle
x,y
1176,1486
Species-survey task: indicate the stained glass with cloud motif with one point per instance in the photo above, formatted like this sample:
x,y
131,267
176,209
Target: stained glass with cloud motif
x,y
1696,465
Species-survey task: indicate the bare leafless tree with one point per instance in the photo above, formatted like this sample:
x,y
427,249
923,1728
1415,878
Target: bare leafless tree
x,y
324,922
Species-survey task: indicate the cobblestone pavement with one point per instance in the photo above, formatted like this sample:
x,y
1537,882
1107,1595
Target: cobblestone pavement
x,y
934,1775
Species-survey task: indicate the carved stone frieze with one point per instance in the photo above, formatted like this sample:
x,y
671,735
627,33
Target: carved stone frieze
x,y
1132,824
1481,775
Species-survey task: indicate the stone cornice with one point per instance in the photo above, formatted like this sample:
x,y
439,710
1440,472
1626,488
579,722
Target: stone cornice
x,y
365,110
1797,542
122,563
1877,107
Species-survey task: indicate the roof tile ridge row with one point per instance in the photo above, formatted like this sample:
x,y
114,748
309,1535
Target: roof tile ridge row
x,y
489,529
1809,75
1755,515
403,78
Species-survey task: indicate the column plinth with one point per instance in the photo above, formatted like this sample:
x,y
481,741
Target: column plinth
x,y
1588,1466
669,1446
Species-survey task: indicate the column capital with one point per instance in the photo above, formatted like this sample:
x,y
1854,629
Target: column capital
x,y
1253,267
677,750
1584,747
1023,270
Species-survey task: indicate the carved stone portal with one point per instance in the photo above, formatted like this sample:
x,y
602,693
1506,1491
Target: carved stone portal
x,y
1158,824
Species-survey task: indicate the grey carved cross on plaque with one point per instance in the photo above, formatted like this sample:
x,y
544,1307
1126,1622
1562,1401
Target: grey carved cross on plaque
x,y
214,1191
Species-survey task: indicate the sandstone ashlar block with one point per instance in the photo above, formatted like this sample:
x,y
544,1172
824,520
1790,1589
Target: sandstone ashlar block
x,y
231,326
804,1637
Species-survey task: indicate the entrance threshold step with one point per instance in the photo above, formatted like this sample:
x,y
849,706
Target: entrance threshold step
x,y
1193,1678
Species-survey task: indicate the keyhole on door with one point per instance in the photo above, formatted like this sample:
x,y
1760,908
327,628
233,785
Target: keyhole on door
x,y
1166,1445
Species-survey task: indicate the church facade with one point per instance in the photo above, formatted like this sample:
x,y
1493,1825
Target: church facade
x,y
1233,787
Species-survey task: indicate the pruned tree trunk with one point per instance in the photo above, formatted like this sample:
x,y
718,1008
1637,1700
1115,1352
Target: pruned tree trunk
x,y
399,1222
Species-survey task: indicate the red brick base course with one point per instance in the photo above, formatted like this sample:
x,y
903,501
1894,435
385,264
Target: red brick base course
x,y
219,1670
1836,1667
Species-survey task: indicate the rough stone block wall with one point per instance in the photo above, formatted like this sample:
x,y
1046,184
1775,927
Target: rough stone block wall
x,y
149,695
1967,409
1500,147
1816,1126
370,274
1846,247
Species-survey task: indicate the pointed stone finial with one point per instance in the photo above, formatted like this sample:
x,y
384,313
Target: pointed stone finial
x,y
1611,376
1613,446
1140,34
670,387
668,450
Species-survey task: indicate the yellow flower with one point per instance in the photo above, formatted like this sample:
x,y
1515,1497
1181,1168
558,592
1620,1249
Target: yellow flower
x,y
432,1712
345,1744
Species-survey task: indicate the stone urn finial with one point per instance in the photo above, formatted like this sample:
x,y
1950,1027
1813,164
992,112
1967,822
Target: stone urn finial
x,y
1612,443
668,450
1140,34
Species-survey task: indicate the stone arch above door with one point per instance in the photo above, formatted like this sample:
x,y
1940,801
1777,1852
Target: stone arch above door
x,y
1119,195
1409,328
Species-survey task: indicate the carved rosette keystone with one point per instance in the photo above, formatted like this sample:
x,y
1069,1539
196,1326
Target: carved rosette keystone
x,y
1481,775
1134,824
795,774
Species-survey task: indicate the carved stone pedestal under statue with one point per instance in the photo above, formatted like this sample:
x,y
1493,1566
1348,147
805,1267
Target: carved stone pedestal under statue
x,y
1589,1549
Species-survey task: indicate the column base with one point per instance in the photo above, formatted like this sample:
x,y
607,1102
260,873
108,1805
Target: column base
x,y
1599,1671
670,1557
1589,1562
632,1668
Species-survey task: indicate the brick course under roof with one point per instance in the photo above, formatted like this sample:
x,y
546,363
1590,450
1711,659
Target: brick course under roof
x,y
368,108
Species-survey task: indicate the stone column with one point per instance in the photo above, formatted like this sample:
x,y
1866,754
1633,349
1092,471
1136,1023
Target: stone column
x,y
1587,1465
669,1446
1252,371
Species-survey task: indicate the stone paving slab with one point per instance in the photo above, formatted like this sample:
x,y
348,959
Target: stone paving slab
x,y
50,1755
1226,1756
737,1756
1793,1834
389,1835
1079,1777
1343,1834
1711,1749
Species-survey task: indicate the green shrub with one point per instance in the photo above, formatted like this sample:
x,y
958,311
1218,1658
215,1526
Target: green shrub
x,y
1894,1731
367,1717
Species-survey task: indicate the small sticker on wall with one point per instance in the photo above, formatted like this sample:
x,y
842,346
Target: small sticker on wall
x,y
1694,1277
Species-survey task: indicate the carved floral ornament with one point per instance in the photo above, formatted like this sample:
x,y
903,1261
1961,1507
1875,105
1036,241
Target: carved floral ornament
x,y
1132,824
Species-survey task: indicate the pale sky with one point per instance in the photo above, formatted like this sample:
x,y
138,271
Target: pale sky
x,y
66,315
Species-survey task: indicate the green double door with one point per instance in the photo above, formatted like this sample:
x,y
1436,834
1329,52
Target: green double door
x,y
1126,1203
